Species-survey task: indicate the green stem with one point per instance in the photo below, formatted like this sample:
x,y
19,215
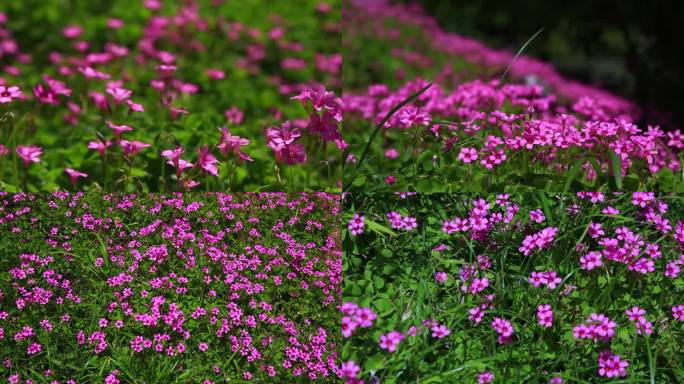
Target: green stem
x,y
379,127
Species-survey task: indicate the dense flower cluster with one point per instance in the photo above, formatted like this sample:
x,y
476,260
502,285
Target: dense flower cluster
x,y
528,276
474,123
138,91
222,287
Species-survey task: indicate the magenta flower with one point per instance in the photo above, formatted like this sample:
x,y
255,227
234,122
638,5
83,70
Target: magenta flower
x,y
439,331
279,137
74,175
100,146
320,99
135,107
29,154
441,277
72,31
485,377
391,340
467,155
9,93
611,365
215,74
119,95
350,369
537,216
642,325
232,143
234,115
131,148
291,154
34,348
591,260
348,326
118,129
4,150
504,328
356,224
545,315
678,312
365,317
207,161
91,73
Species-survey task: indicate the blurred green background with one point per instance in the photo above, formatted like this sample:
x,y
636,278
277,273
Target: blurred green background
x,y
632,48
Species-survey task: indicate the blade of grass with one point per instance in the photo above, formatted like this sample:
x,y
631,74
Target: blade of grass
x,y
572,174
377,130
651,363
520,52
617,169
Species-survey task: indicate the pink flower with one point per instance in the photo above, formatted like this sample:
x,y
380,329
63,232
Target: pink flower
x,y
232,143
91,73
591,260
30,153
441,277
595,230
596,327
135,107
502,326
356,224
100,146
131,148
348,326
440,331
114,23
467,155
234,115
390,341
118,129
203,347
545,315
279,137
350,369
413,116
642,325
291,154
391,153
207,161
611,365
215,74
537,216
74,175
9,93
119,94
475,314
678,312
478,285
485,377
3,150
365,317
72,31
34,348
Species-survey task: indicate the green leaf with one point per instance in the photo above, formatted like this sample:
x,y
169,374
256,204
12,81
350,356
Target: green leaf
x,y
616,162
379,228
375,362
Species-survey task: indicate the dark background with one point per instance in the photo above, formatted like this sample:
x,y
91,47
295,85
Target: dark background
x,y
632,48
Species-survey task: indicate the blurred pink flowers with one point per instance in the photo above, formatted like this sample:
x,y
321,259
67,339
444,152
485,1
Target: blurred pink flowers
x,y
28,154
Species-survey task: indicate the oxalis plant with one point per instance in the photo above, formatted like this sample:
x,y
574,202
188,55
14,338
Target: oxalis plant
x,y
153,97
526,288
169,288
458,116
